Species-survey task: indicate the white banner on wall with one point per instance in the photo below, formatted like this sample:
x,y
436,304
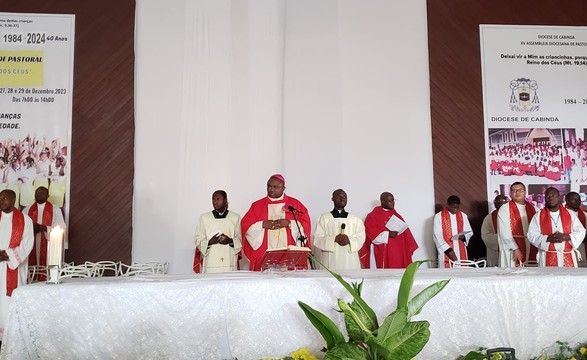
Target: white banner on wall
x,y
36,82
535,108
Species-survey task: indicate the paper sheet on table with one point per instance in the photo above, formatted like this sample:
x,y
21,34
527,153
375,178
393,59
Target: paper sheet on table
x,y
456,237
396,224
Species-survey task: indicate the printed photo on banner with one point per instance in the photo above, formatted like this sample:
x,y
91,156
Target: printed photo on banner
x,y
538,158
36,92
535,107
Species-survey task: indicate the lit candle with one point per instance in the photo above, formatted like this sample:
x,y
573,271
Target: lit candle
x,y
55,247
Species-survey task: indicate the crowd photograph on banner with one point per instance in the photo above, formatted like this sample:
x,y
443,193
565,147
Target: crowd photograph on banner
x,y
539,158
31,162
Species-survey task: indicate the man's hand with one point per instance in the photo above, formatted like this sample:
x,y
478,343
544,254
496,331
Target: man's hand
x,y
342,240
392,234
214,239
557,237
452,255
225,240
462,238
275,224
37,228
4,255
518,256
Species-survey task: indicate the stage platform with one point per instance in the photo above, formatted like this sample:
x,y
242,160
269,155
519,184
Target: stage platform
x,y
256,315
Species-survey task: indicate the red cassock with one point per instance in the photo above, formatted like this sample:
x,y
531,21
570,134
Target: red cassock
x,y
398,251
259,212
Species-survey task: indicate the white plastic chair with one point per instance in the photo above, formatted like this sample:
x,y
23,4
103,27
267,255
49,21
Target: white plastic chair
x,y
147,268
77,271
530,263
35,271
468,263
101,267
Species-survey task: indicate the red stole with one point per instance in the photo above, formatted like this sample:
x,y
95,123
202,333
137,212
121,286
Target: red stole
x,y
518,229
47,220
546,229
494,220
447,234
15,240
198,261
580,215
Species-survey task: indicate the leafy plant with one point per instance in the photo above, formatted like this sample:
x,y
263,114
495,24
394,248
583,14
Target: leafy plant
x,y
397,338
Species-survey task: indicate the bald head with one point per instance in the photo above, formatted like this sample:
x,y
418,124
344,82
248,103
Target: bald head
x,y
387,200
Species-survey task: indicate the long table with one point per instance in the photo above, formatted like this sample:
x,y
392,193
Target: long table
x,y
253,315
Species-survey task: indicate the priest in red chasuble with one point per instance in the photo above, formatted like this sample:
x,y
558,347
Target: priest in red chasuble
x,y
390,248
270,223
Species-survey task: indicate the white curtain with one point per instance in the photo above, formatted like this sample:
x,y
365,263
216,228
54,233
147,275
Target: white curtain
x,y
333,94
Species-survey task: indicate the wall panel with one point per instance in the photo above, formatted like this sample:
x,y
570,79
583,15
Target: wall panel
x,y
102,154
456,93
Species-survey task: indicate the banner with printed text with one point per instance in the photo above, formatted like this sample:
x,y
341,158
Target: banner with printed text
x,y
36,82
535,108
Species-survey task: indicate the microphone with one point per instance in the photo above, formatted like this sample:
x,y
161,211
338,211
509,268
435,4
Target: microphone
x,y
293,209
342,227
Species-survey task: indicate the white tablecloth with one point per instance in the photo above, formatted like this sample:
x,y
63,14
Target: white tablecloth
x,y
256,315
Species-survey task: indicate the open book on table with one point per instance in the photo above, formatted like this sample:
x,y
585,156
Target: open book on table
x,y
291,257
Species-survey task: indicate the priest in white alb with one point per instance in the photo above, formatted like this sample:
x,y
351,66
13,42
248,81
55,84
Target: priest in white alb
x,y
489,232
512,225
16,242
339,236
556,232
451,233
46,217
218,238
573,203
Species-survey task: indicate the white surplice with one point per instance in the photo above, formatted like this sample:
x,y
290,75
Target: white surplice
x,y
537,239
219,257
331,254
18,258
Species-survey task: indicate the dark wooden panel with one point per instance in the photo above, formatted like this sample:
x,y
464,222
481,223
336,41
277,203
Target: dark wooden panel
x,y
458,143
102,153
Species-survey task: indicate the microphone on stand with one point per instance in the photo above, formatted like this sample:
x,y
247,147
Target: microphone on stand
x,y
342,227
301,238
294,210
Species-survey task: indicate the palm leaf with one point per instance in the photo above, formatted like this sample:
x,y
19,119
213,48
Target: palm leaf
x,y
392,324
326,327
370,314
405,286
346,351
417,303
409,341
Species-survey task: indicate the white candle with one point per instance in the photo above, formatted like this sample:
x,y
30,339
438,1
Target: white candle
x,y
55,247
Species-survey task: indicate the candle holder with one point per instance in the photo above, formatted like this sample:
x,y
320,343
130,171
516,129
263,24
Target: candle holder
x,y
53,274
55,255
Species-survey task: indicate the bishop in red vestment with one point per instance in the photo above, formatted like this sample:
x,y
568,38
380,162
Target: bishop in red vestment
x,y
270,223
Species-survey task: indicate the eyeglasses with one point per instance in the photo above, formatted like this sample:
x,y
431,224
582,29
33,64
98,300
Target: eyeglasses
x,y
518,190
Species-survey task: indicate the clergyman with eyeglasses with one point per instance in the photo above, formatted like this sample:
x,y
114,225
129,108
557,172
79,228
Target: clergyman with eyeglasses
x,y
512,227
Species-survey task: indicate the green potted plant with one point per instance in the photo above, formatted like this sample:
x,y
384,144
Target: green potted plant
x,y
397,338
